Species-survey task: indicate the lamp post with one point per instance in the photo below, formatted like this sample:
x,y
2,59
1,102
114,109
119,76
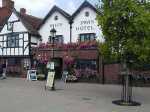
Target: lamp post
x,y
53,35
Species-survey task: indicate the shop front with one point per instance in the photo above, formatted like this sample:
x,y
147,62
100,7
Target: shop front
x,y
80,59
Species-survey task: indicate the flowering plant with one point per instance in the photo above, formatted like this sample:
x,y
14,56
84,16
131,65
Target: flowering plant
x,y
68,60
85,73
68,46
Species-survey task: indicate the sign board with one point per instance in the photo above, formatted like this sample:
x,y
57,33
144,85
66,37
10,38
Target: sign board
x,y
31,75
50,79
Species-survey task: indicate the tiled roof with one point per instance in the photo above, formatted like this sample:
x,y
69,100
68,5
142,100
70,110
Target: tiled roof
x,y
4,15
30,22
34,21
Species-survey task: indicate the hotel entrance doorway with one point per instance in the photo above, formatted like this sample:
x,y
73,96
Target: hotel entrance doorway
x,y
58,67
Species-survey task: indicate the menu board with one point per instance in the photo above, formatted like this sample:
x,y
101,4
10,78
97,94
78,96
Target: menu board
x,y
31,75
50,79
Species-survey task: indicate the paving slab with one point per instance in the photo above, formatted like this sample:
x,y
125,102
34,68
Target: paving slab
x,y
20,95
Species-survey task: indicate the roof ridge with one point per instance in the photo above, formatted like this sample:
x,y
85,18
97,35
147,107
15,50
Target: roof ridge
x,y
32,16
27,24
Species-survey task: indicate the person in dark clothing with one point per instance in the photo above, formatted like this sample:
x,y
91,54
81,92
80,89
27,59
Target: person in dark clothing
x,y
4,71
1,70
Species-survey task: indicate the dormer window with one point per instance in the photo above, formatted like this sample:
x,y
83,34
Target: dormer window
x,y
87,14
56,18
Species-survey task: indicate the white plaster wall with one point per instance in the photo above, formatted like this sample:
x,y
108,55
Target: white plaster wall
x,y
61,25
18,26
91,24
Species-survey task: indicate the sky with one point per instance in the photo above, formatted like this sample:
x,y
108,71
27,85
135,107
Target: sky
x,y
40,8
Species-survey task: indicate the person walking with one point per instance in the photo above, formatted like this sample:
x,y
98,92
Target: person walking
x,y
4,71
1,70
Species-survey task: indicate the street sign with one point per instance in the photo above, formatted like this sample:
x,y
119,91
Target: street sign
x,y
31,75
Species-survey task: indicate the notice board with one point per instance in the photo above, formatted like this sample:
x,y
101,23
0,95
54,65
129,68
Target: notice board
x,y
50,79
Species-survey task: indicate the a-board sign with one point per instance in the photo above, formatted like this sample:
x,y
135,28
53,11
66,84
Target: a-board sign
x,y
31,75
50,79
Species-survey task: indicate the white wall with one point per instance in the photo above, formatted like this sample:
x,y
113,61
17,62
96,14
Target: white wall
x,y
35,40
83,24
61,25
18,27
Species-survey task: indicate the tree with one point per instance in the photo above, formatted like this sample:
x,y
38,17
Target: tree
x,y
126,28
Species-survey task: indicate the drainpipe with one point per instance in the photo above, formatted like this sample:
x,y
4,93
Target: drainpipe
x,y
71,22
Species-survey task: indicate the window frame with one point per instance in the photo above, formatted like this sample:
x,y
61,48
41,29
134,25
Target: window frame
x,y
13,37
87,37
58,39
87,14
56,18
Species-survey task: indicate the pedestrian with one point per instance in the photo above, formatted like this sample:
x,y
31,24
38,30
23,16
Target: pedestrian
x,y
4,71
1,70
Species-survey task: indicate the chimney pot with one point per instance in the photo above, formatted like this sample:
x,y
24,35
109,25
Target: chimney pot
x,y
8,4
22,10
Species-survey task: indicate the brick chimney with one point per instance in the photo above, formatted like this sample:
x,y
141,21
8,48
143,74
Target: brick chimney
x,y
22,10
8,4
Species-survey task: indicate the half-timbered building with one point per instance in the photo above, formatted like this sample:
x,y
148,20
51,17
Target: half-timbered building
x,y
17,37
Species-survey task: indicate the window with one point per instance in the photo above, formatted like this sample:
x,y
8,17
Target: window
x,y
87,37
13,40
87,14
58,39
56,18
83,64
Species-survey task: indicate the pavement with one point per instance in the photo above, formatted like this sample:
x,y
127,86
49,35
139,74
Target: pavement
x,y
20,95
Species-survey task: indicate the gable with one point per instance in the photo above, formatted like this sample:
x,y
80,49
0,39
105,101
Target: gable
x,y
61,25
84,5
17,25
52,22
54,10
82,14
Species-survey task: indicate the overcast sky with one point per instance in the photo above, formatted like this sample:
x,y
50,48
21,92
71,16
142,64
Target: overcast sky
x,y
40,8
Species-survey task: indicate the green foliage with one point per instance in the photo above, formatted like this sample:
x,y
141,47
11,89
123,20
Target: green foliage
x,y
126,28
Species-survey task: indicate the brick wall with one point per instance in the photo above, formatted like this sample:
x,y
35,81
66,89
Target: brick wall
x,y
111,73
